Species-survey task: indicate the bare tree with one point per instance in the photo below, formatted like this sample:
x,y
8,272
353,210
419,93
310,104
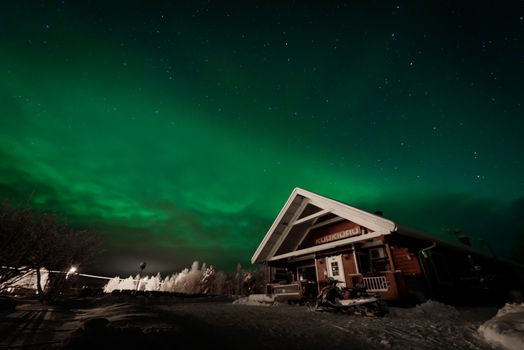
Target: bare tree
x,y
15,245
31,240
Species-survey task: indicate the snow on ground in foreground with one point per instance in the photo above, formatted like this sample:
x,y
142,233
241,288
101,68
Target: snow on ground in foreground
x,y
431,325
169,322
506,329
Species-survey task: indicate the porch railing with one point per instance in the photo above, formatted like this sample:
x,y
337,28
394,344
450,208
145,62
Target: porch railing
x,y
376,284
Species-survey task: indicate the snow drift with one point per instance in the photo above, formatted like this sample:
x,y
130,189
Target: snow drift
x,y
256,300
506,329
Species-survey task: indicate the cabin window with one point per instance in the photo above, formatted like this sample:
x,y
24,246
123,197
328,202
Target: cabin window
x,y
279,275
307,273
379,259
363,262
335,270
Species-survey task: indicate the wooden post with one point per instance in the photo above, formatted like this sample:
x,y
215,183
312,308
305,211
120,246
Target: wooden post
x,y
390,258
355,257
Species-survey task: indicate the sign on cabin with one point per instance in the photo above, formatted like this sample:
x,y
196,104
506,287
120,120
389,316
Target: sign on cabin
x,y
354,231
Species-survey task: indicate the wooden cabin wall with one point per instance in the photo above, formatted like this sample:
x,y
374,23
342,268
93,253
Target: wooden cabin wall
x,y
450,274
348,263
409,277
405,260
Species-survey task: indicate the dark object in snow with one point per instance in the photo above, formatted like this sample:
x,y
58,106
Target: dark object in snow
x,y
7,304
330,281
96,325
351,301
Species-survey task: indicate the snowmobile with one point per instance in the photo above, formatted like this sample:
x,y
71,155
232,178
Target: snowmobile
x,y
351,301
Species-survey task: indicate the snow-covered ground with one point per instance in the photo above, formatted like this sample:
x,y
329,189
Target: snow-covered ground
x,y
165,322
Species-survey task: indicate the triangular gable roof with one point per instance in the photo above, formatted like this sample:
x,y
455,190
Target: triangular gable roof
x,y
290,215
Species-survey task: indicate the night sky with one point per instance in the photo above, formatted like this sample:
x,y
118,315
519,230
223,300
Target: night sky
x,y
178,129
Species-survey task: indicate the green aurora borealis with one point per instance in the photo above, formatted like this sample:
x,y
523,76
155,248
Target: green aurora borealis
x,y
178,131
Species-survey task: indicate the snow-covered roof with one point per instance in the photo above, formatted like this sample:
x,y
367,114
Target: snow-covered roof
x,y
299,215
305,210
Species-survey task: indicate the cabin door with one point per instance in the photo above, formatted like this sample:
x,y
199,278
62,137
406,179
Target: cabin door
x,y
335,269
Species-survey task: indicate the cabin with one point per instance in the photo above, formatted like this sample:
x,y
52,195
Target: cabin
x,y
315,237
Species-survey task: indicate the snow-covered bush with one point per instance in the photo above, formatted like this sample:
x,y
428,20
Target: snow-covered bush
x,y
193,280
197,279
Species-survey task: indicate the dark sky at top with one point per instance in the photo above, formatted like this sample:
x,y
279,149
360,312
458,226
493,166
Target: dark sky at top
x,y
177,129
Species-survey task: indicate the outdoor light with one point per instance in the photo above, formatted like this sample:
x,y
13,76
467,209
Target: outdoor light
x,y
71,271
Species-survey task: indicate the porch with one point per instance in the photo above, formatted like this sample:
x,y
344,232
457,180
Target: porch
x,y
387,284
